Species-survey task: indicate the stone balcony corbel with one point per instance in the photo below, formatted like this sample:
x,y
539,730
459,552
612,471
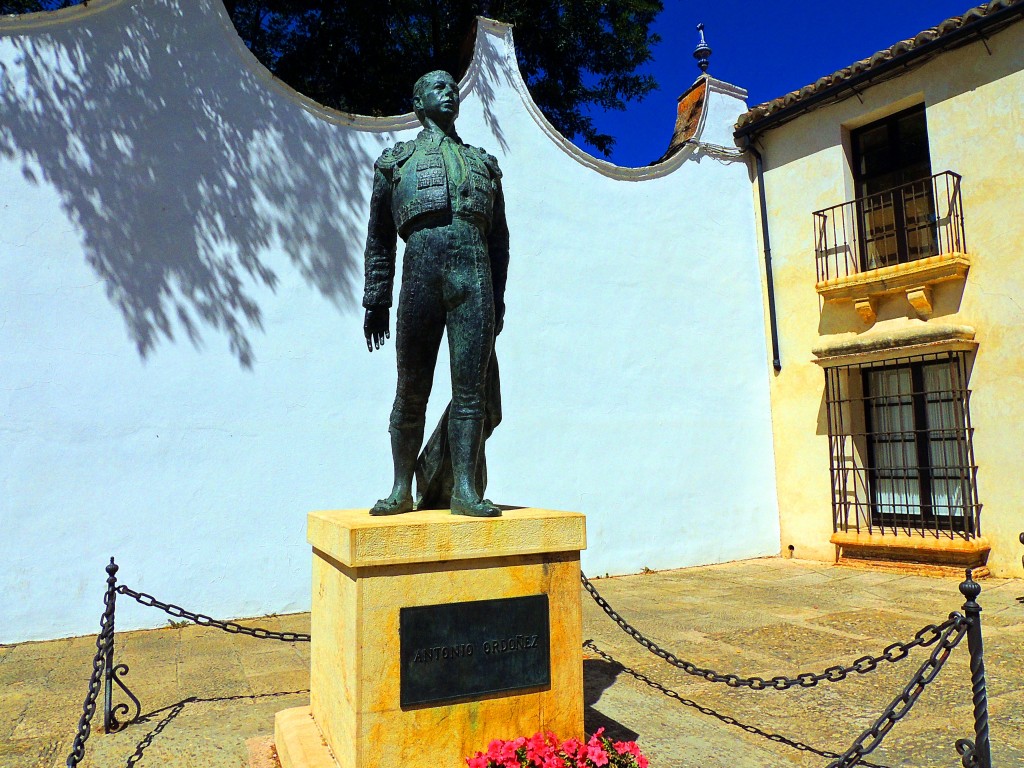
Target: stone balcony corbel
x,y
920,298
914,279
865,306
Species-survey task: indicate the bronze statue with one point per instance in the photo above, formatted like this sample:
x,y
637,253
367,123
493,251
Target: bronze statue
x,y
444,199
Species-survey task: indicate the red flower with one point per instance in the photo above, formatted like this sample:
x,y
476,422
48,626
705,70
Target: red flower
x,y
539,749
595,753
543,750
631,748
494,750
571,748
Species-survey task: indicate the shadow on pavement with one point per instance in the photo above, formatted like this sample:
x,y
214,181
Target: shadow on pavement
x,y
173,710
599,675
611,664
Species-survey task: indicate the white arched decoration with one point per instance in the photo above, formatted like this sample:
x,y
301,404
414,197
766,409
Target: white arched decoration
x,y
182,369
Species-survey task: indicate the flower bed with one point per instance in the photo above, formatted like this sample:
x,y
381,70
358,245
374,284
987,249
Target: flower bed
x,y
544,750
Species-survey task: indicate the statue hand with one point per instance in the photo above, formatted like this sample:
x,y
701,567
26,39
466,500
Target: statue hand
x,y
499,319
376,327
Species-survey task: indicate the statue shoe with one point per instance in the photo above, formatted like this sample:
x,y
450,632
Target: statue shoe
x,y
483,508
391,507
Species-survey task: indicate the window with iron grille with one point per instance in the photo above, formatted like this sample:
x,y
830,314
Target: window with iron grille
x,y
900,440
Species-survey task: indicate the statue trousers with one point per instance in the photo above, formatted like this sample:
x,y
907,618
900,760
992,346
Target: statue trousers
x,y
446,285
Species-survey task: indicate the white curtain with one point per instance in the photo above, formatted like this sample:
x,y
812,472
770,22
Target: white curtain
x,y
897,477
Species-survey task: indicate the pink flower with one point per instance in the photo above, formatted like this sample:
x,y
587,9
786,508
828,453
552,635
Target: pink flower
x,y
494,750
543,750
538,749
572,748
626,748
595,753
505,753
631,748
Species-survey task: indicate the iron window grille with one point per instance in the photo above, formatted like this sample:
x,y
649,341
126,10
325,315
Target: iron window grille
x,y
912,221
901,457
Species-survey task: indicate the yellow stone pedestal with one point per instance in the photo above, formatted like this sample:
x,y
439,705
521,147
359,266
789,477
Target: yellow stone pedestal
x,y
365,569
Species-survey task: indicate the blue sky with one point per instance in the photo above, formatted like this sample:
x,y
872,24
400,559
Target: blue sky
x,y
769,48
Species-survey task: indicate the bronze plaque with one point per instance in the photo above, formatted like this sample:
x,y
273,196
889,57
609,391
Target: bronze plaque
x,y
461,650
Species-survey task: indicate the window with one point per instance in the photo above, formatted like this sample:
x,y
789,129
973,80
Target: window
x,y
895,198
901,211
900,444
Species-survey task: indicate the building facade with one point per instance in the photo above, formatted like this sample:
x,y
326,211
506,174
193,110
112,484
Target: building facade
x,y
892,217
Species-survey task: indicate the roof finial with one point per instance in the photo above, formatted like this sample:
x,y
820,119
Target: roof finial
x,y
703,51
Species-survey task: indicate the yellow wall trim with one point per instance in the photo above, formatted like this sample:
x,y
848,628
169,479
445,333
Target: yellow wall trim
x,y
873,347
911,541
912,551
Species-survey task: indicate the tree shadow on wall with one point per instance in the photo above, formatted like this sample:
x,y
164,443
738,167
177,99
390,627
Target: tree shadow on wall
x,y
183,170
486,77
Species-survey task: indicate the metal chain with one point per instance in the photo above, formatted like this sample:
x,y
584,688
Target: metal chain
x,y
900,706
207,621
925,637
103,641
775,737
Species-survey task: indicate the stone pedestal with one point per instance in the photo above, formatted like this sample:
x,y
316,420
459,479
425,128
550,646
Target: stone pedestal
x,y
365,570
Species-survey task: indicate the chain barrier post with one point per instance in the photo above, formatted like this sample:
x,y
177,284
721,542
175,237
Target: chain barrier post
x,y
977,753
100,662
109,603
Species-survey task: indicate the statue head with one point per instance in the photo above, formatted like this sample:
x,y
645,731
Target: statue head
x,y
436,97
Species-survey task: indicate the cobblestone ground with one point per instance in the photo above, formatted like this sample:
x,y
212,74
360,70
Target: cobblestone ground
x,y
209,697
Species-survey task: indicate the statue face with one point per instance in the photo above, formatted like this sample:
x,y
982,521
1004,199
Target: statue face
x,y
438,99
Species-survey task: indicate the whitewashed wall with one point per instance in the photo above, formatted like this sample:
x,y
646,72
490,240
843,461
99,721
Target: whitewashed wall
x,y
182,369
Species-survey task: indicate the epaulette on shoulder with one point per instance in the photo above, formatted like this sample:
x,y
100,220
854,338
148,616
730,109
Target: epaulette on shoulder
x,y
489,160
395,156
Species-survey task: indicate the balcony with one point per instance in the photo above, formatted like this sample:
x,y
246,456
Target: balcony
x,y
903,240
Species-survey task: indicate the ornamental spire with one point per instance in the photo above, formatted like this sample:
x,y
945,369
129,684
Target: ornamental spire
x,y
703,51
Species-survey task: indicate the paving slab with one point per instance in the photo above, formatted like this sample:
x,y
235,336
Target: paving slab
x,y
209,697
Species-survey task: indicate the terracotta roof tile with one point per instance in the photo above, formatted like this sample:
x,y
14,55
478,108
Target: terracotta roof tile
x,y
689,109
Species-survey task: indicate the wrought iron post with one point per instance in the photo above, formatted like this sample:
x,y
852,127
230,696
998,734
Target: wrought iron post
x,y
108,657
976,754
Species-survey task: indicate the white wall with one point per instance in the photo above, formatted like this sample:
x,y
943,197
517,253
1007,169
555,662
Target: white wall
x,y
182,369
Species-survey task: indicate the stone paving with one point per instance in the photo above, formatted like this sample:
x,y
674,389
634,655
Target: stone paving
x,y
209,697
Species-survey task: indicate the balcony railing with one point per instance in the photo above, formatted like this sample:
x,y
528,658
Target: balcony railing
x,y
906,223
